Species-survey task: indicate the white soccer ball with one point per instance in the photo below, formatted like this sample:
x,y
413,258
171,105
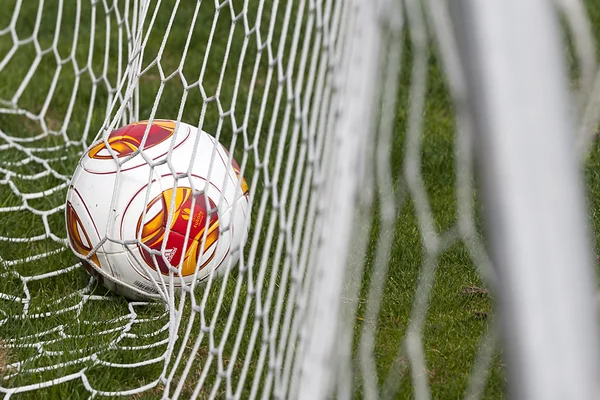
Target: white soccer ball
x,y
165,217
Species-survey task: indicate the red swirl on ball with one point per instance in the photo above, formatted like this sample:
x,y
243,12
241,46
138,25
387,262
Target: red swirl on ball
x,y
200,217
128,139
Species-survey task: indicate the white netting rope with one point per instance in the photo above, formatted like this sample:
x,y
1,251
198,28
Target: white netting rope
x,y
264,78
296,82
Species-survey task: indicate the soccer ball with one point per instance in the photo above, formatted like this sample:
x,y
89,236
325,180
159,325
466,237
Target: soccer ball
x,y
154,205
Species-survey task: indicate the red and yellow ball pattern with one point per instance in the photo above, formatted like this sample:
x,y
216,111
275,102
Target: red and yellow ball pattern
x,y
128,139
78,237
199,216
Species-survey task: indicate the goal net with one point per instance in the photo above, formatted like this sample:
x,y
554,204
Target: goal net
x,y
365,271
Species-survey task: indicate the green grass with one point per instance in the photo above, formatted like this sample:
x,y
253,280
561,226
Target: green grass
x,y
460,310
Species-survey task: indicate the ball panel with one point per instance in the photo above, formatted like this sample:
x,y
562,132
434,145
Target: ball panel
x,y
128,139
99,191
125,141
216,244
127,282
235,167
236,234
79,239
240,216
83,235
188,212
201,159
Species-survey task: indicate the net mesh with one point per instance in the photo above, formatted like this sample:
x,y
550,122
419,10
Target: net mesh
x,y
288,90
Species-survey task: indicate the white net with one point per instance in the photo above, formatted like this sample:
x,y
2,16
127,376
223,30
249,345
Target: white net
x,y
259,78
376,221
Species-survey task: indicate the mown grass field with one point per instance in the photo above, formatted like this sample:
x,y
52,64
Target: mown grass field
x,y
460,311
